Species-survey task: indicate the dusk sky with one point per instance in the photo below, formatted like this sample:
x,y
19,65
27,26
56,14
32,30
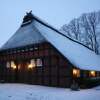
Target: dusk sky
x,y
55,12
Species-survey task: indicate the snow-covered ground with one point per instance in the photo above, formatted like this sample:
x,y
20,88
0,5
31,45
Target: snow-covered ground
x,y
35,92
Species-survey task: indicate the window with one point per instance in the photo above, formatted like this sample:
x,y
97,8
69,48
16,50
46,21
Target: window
x,y
31,49
92,73
32,64
19,66
36,48
8,64
76,72
39,62
35,63
13,65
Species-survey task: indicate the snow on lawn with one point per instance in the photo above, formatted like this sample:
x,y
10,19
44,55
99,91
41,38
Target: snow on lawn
x,y
35,92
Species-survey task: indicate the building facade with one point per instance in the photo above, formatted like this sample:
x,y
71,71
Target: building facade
x,y
37,61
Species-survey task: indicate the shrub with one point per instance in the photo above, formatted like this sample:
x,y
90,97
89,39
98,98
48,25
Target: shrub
x,y
89,82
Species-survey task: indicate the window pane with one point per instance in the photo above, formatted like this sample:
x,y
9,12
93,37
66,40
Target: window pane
x,y
33,63
8,64
39,62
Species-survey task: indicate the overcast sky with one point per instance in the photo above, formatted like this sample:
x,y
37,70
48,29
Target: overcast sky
x,y
55,12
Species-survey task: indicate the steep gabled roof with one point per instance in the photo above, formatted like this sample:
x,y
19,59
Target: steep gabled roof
x,y
24,36
79,55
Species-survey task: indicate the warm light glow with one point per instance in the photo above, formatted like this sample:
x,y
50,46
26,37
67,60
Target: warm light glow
x,y
19,66
33,63
76,73
30,66
92,73
13,65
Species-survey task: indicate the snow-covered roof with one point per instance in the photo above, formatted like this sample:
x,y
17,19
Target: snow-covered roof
x,y
77,54
24,36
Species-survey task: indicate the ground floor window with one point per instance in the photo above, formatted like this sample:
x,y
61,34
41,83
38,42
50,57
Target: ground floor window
x,y
32,64
8,64
39,62
11,64
35,63
76,73
92,74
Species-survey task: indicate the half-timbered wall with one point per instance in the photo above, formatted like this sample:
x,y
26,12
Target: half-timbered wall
x,y
55,69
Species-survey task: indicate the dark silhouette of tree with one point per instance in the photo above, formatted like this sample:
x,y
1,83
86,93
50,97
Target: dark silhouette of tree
x,y
85,30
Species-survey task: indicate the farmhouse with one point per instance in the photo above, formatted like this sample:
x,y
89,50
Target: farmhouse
x,y
39,54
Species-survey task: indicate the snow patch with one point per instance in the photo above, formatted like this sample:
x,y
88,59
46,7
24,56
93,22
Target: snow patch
x,y
35,92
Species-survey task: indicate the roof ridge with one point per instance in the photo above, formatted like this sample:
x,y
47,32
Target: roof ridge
x,y
51,27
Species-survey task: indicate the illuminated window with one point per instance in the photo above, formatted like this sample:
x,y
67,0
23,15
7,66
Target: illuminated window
x,y
8,64
32,64
92,74
76,72
39,62
13,65
19,66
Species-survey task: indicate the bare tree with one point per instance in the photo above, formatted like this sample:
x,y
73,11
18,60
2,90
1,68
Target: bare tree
x,y
93,22
90,22
85,27
75,28
65,29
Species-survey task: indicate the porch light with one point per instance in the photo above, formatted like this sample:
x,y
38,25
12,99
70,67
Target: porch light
x,y
92,73
76,73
